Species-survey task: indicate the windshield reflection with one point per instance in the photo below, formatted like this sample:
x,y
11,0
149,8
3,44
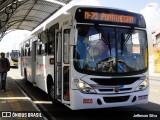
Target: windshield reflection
x,y
110,50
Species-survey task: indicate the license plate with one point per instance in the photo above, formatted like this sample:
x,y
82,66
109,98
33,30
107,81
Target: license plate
x,y
142,97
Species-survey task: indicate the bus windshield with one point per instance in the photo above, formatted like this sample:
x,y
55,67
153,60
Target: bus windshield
x,y
105,49
14,54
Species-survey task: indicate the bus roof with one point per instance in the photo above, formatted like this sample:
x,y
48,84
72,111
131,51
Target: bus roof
x,y
72,9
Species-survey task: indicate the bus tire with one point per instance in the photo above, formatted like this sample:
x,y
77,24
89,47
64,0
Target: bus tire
x,y
51,92
25,77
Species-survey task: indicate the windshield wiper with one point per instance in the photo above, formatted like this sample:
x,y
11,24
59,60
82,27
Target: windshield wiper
x,y
125,40
130,31
105,38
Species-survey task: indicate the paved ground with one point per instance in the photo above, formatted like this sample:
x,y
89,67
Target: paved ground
x,y
155,75
154,93
13,99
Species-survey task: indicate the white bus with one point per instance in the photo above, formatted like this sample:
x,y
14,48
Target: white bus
x,y
89,57
13,57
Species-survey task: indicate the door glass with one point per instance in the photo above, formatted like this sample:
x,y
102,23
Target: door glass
x,y
59,46
66,36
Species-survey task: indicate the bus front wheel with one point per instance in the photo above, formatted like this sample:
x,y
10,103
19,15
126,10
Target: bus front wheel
x,y
51,93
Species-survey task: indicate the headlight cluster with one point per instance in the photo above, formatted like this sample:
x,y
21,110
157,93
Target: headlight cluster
x,y
143,85
83,87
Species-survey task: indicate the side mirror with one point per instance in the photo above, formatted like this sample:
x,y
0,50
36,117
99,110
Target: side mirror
x,y
73,36
26,45
43,37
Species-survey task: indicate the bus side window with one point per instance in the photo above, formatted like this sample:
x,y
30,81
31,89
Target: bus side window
x,y
29,53
51,44
51,35
25,52
46,48
39,49
42,49
50,48
27,45
30,48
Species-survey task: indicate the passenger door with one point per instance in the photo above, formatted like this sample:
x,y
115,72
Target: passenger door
x,y
58,64
62,65
65,64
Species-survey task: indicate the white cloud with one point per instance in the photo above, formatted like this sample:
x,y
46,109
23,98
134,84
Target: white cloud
x,y
151,14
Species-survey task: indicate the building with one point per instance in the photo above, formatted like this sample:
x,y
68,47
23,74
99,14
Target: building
x,y
156,48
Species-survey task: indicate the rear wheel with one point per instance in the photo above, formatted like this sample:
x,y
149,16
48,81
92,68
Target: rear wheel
x,y
25,76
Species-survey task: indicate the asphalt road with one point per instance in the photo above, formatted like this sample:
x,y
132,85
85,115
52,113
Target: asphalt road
x,y
59,111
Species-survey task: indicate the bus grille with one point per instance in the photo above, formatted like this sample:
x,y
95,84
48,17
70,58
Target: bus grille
x,y
115,81
111,90
116,99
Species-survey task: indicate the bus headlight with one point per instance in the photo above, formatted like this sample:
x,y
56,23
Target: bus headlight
x,y
143,85
83,87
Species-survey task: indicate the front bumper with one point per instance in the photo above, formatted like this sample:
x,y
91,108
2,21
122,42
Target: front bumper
x,y
90,101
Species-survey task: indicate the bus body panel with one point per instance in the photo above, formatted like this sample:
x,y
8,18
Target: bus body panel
x,y
43,69
28,66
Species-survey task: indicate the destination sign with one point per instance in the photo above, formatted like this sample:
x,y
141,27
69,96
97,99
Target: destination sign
x,y
108,17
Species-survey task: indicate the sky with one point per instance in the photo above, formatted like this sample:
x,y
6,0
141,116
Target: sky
x,y
133,5
149,8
